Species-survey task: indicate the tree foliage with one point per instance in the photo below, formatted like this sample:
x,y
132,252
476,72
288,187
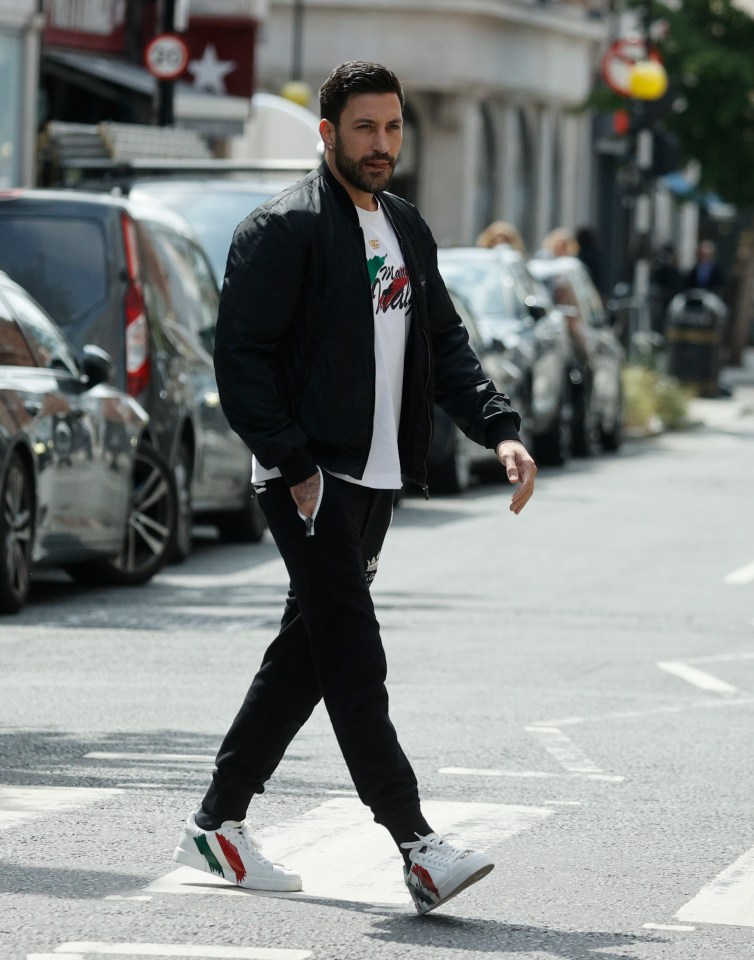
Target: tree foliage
x,y
708,51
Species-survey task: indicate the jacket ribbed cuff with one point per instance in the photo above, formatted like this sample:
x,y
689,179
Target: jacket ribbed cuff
x,y
500,430
297,466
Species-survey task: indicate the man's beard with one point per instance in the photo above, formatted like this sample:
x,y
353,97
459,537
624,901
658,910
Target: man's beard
x,y
360,178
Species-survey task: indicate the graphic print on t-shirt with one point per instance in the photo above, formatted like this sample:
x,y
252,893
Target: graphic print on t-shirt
x,y
391,289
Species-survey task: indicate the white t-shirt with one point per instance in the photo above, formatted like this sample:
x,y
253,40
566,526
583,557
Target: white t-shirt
x,y
391,302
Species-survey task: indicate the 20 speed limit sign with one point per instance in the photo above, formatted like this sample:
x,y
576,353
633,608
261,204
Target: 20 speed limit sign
x,y
166,56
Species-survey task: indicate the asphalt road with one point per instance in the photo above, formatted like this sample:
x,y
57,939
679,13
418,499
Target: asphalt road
x,y
575,688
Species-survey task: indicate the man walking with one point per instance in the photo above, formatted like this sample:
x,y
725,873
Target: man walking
x,y
335,335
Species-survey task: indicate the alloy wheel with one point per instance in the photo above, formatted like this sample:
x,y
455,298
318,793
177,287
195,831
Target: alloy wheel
x,y
17,527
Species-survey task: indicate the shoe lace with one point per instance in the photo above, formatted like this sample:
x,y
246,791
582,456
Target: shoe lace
x,y
244,833
432,847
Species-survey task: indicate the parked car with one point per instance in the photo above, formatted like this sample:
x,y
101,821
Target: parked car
x,y
134,280
600,356
454,459
515,316
80,486
214,206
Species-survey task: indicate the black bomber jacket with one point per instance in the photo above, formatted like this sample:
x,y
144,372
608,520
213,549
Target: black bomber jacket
x,y
294,349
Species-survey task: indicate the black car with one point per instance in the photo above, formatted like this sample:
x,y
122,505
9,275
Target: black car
x,y
133,280
515,316
79,485
599,355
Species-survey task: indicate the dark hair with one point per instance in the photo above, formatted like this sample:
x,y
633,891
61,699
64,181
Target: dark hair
x,y
353,77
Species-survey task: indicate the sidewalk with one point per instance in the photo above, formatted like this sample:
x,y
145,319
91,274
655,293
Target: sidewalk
x,y
728,411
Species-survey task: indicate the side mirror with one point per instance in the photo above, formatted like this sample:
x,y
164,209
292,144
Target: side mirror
x,y
496,345
536,308
97,365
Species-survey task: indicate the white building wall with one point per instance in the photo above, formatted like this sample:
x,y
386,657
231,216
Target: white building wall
x,y
20,30
452,56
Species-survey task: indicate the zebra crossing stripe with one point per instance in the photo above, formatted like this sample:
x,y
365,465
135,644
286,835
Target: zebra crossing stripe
x,y
728,899
20,804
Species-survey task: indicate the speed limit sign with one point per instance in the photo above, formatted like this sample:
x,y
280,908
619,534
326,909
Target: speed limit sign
x,y
166,56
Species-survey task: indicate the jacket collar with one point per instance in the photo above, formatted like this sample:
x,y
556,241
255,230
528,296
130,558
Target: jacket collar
x,y
341,194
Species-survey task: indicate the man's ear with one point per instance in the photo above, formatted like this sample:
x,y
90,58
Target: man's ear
x,y
327,131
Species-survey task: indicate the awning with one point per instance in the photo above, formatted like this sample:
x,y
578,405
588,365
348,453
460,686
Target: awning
x,y
219,116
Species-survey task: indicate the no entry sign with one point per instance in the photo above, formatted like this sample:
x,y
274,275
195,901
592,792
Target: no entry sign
x,y
619,59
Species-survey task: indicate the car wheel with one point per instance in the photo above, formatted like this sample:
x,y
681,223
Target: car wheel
x,y
185,513
584,429
16,536
612,438
453,474
243,526
553,447
150,528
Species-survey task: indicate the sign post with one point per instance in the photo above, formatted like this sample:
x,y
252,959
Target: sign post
x,y
166,57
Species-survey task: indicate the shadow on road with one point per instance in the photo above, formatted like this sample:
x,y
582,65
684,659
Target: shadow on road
x,y
503,939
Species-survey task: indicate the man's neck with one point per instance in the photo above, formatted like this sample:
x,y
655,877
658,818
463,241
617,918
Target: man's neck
x,y
361,198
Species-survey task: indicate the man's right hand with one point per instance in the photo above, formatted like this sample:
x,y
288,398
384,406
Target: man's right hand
x,y
305,494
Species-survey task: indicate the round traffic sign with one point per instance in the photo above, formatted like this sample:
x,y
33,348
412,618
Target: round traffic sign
x,y
619,60
166,56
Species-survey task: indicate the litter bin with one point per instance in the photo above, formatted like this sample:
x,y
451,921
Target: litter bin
x,y
693,330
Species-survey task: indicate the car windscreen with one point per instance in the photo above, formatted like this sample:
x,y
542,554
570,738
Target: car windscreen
x,y
483,285
61,262
214,214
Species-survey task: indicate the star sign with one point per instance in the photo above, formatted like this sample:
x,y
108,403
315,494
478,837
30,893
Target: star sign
x,y
209,72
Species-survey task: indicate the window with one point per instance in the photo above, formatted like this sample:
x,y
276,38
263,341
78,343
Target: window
x,y
52,348
192,287
61,261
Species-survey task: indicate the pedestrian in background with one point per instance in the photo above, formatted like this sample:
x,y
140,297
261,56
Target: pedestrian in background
x,y
501,232
335,335
706,274
590,256
665,281
559,242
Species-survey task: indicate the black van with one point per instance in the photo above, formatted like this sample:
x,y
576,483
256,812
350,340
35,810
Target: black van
x,y
133,280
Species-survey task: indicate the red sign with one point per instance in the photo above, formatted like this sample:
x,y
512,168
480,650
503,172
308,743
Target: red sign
x,y
222,55
166,56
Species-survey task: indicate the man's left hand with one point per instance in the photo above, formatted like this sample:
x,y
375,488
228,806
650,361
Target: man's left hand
x,y
521,469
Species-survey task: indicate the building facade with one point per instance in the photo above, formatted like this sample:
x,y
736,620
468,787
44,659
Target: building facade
x,y
20,31
493,87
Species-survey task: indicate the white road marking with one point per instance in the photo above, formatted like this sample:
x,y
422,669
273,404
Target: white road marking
x,y
152,757
343,855
568,754
668,926
19,804
728,899
717,704
741,575
88,949
699,678
526,774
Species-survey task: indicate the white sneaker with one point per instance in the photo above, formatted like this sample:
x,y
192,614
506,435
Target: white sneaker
x,y
231,852
439,870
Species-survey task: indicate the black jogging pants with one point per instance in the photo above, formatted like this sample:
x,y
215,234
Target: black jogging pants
x,y
329,647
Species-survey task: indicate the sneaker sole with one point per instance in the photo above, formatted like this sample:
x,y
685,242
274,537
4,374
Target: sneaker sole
x,y
283,885
473,878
